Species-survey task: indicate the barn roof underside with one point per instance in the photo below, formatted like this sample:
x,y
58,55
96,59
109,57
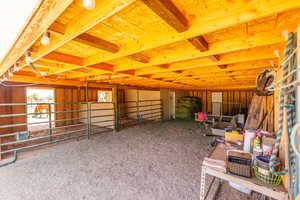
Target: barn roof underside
x,y
180,44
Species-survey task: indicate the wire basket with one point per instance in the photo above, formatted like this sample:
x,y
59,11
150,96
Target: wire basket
x,y
239,163
267,176
262,172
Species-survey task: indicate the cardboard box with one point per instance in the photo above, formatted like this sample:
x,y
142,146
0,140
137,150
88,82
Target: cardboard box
x,y
230,137
268,141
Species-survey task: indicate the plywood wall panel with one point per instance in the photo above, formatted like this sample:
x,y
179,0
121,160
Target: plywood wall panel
x,y
243,97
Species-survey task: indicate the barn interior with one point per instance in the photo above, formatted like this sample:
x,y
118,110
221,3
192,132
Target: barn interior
x,y
108,95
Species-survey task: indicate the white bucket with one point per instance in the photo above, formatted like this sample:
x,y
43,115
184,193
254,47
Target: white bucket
x,y
249,135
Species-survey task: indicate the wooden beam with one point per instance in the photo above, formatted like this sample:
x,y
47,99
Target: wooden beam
x,y
81,23
103,66
87,39
169,13
97,43
48,81
164,66
214,58
139,57
238,12
128,72
64,58
222,66
57,28
199,42
230,58
43,15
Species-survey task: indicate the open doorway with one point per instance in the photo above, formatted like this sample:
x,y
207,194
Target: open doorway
x,y
38,112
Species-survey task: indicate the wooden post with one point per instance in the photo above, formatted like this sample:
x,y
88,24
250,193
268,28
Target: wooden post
x,y
297,165
116,107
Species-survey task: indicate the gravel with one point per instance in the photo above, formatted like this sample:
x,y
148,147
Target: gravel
x,y
157,161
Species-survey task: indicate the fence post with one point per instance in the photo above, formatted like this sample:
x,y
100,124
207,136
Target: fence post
x,y
137,105
161,109
50,121
88,119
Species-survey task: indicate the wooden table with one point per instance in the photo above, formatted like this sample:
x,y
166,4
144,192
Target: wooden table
x,y
217,168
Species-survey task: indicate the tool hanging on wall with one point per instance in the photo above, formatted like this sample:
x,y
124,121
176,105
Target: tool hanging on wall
x,y
263,81
287,109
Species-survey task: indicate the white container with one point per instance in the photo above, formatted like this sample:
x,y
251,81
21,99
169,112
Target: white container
x,y
249,136
240,188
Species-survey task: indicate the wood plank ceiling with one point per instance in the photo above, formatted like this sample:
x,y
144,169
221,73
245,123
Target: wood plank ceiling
x,y
195,44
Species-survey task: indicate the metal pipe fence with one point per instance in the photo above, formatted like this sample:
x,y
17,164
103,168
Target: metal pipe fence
x,y
140,111
20,131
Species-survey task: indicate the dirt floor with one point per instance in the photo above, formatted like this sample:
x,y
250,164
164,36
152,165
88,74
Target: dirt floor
x,y
159,161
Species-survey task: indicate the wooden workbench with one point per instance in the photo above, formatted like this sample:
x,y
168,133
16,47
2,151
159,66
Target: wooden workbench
x,y
215,165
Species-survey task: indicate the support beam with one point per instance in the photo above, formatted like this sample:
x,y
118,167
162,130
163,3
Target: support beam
x,y
199,42
169,13
97,43
83,22
64,58
183,52
164,66
230,58
214,58
41,18
87,39
222,66
139,57
103,66
238,12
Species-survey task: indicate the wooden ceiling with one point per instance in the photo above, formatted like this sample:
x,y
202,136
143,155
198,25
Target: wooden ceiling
x,y
182,44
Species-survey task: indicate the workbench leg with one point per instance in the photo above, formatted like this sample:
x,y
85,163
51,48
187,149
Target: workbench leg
x,y
202,183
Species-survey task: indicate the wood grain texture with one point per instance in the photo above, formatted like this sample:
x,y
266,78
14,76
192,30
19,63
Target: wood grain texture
x,y
169,13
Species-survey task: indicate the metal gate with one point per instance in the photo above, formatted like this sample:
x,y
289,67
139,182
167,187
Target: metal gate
x,y
131,113
73,120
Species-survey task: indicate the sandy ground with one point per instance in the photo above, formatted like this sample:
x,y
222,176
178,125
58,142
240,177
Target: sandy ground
x,y
159,161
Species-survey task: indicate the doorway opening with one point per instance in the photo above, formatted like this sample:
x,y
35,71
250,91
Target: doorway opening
x,y
38,107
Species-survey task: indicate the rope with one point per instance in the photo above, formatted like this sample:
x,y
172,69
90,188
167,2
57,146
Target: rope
x,y
287,100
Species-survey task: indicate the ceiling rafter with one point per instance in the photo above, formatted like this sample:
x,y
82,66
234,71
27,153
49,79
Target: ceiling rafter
x,y
200,26
139,57
81,23
230,58
87,39
169,13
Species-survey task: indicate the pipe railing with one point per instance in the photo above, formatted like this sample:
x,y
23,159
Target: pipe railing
x,y
82,125
135,112
90,120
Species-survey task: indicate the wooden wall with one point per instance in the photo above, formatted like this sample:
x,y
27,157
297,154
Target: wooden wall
x,y
70,94
242,96
12,95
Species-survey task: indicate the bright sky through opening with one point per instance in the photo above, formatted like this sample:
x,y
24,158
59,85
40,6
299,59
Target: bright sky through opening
x,y
13,16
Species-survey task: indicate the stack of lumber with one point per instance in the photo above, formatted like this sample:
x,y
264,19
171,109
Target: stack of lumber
x,y
261,113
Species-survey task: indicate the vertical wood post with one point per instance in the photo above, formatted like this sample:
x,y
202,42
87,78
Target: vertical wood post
x,y
297,178
115,98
